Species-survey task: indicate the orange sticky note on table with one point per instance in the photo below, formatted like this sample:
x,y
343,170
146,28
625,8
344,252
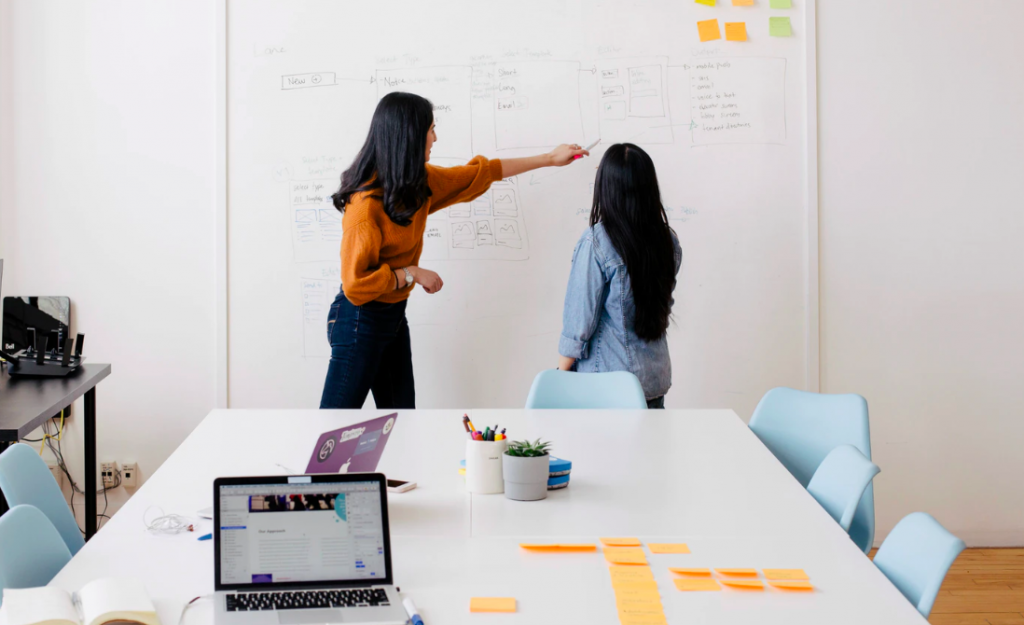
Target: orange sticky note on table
x,y
668,548
785,574
792,585
558,547
737,572
697,584
621,542
631,574
492,604
735,31
625,556
744,584
708,30
691,572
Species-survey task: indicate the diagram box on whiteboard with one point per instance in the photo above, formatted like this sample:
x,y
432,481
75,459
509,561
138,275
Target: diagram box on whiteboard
x,y
315,223
449,89
537,104
737,100
633,98
317,296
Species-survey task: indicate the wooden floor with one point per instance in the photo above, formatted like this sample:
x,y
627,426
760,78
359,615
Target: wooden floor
x,y
983,587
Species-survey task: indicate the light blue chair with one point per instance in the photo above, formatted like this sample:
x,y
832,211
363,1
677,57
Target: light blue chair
x,y
25,479
840,481
801,428
568,389
916,556
31,550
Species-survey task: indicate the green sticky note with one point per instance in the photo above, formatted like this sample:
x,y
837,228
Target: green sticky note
x,y
707,3
779,27
782,4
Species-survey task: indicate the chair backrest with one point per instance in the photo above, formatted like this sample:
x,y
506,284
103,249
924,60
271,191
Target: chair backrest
x,y
31,550
567,389
25,479
916,556
840,481
801,428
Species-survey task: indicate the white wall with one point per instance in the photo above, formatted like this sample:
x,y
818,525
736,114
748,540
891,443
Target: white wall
x,y
108,180
107,140
921,166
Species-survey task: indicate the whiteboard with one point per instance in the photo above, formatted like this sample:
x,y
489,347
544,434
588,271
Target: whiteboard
x,y
730,126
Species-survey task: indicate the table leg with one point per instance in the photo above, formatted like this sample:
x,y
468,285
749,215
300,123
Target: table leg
x,y
90,463
3,500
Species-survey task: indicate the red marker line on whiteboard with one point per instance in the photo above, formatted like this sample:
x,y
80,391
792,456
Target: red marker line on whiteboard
x,y
588,148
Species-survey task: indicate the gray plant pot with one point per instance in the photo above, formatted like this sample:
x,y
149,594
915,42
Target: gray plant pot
x,y
526,479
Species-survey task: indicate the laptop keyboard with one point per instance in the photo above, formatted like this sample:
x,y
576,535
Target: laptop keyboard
x,y
302,599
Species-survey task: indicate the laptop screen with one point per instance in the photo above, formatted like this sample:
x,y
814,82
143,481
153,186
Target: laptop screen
x,y
301,533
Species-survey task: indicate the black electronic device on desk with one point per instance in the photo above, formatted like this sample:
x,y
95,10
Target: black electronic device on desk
x,y
47,359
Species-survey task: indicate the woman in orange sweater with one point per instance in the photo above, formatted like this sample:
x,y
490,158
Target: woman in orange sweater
x,y
385,196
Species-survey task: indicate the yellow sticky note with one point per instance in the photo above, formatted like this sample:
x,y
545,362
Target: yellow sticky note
x,y
737,572
785,574
744,584
743,3
668,548
691,572
792,585
708,30
735,31
492,604
621,542
558,547
631,573
625,556
707,3
697,584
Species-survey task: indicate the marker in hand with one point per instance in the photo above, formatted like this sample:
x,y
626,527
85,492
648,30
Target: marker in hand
x,y
588,148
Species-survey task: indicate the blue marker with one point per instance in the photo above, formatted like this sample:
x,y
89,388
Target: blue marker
x,y
205,537
414,615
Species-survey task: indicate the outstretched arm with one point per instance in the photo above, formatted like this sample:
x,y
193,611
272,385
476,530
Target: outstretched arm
x,y
559,157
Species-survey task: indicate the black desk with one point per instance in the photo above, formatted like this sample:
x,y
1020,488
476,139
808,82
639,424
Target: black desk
x,y
25,403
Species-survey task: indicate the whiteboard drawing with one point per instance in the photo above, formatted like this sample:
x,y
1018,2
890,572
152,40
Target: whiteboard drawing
x,y
491,227
449,89
316,224
317,296
536,104
633,100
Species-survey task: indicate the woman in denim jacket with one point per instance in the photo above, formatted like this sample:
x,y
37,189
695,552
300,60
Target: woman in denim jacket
x,y
619,298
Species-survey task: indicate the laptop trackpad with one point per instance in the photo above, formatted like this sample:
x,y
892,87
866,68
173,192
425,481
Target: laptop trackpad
x,y
309,617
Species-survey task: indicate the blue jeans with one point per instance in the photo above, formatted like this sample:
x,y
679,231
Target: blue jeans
x,y
656,403
370,351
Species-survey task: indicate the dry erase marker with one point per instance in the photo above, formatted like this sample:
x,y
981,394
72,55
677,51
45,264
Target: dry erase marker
x,y
414,615
588,148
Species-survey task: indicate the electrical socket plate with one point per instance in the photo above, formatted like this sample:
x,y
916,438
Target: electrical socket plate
x,y
129,474
107,472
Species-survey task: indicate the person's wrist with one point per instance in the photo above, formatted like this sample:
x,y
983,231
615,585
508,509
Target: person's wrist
x,y
550,158
412,272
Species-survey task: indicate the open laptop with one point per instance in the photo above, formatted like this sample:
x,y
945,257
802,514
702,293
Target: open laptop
x,y
303,549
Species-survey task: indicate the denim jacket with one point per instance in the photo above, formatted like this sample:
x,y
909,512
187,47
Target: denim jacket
x,y
598,318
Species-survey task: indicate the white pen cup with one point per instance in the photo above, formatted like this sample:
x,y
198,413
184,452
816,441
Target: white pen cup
x,y
483,466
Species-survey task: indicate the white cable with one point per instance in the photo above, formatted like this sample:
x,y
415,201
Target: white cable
x,y
167,523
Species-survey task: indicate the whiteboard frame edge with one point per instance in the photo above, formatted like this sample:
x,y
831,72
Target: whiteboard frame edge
x,y
812,376
221,204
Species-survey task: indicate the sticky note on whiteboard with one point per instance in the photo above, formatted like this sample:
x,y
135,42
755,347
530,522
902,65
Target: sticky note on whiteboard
x,y
707,3
743,3
779,27
735,31
782,4
708,30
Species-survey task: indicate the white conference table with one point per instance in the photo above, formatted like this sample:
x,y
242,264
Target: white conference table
x,y
694,476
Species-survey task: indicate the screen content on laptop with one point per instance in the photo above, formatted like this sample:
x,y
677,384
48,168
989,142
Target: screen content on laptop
x,y
271,533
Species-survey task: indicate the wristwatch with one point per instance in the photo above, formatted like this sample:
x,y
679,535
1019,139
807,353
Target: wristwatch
x,y
408,277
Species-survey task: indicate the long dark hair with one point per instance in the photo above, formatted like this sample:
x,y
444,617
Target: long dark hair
x,y
392,161
627,201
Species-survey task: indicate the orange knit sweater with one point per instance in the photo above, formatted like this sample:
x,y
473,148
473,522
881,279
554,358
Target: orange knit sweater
x,y
372,245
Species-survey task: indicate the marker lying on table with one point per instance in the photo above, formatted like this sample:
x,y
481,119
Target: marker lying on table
x,y
588,148
414,615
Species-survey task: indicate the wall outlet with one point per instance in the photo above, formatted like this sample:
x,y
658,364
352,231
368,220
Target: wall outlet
x,y
108,471
129,474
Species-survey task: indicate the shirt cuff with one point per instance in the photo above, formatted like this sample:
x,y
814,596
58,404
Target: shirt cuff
x,y
571,348
495,166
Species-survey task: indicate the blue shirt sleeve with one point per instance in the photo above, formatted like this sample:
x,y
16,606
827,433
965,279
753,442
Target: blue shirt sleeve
x,y
584,298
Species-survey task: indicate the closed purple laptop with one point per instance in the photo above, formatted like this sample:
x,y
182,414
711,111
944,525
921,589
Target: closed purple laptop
x,y
352,449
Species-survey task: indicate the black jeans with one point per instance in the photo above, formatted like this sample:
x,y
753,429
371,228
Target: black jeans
x,y
370,351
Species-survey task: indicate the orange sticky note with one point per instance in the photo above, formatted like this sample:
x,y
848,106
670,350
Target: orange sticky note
x,y
635,588
708,30
691,572
737,572
735,31
743,3
792,585
621,542
696,584
744,584
625,556
785,574
492,604
558,547
645,599
642,619
631,573
668,548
